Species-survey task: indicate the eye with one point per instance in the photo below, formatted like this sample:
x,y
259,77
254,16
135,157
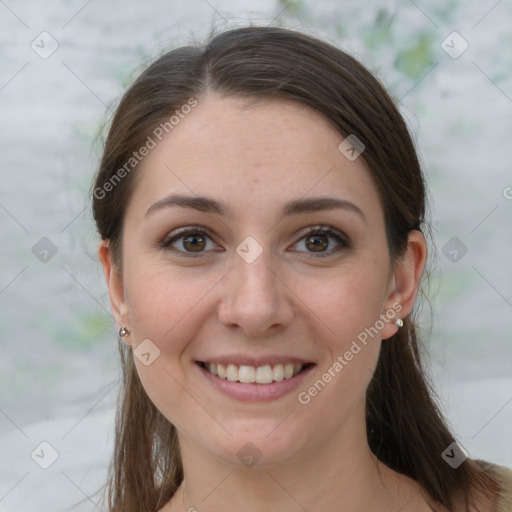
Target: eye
x,y
192,242
316,241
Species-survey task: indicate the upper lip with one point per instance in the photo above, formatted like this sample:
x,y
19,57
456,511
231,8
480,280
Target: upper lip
x,y
247,360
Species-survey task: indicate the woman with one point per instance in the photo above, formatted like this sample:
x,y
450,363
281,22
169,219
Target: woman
x,y
261,212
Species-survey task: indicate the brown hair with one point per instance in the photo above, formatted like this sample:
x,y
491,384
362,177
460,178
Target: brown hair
x,y
405,427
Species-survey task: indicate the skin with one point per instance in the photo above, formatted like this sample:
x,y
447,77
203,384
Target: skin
x,y
289,301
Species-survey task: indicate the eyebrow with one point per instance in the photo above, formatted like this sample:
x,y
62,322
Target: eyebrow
x,y
294,207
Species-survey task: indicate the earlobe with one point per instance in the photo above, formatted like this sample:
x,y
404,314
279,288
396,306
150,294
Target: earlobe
x,y
114,282
406,280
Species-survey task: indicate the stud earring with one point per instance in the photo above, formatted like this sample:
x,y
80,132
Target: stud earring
x,y
399,322
124,331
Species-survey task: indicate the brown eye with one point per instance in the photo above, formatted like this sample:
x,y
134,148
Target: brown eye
x,y
194,243
318,239
317,243
188,242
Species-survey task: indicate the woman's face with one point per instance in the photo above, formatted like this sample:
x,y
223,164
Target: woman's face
x,y
230,275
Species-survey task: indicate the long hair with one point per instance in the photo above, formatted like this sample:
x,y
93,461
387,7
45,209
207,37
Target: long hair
x,y
405,428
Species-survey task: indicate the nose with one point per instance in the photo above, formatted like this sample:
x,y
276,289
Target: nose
x,y
256,298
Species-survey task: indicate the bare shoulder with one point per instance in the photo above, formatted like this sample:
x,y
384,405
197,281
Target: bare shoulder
x,y
503,477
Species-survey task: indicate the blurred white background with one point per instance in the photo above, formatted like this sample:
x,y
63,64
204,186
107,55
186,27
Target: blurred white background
x,y
65,63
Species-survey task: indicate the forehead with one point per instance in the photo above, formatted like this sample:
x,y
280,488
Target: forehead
x,y
259,151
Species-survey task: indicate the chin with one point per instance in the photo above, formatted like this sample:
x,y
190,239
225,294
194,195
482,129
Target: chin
x,y
267,446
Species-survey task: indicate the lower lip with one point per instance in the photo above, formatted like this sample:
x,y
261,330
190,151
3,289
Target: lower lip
x,y
253,392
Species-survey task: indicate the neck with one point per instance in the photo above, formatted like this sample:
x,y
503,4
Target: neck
x,y
338,474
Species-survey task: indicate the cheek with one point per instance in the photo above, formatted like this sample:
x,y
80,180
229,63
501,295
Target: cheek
x,y
162,299
165,314
162,381
346,303
349,307
167,307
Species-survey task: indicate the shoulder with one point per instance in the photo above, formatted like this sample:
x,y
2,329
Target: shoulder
x,y
503,475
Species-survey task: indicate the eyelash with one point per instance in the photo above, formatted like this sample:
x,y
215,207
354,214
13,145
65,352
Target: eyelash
x,y
344,242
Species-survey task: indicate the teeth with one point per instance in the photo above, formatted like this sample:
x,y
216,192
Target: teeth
x,y
250,374
264,374
278,372
246,374
288,370
232,372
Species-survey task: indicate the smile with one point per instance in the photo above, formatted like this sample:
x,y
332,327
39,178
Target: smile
x,y
265,374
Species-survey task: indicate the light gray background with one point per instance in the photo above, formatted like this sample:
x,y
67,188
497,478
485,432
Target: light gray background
x,y
59,364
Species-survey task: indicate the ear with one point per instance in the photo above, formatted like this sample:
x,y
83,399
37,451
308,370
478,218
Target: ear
x,y
114,281
405,281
